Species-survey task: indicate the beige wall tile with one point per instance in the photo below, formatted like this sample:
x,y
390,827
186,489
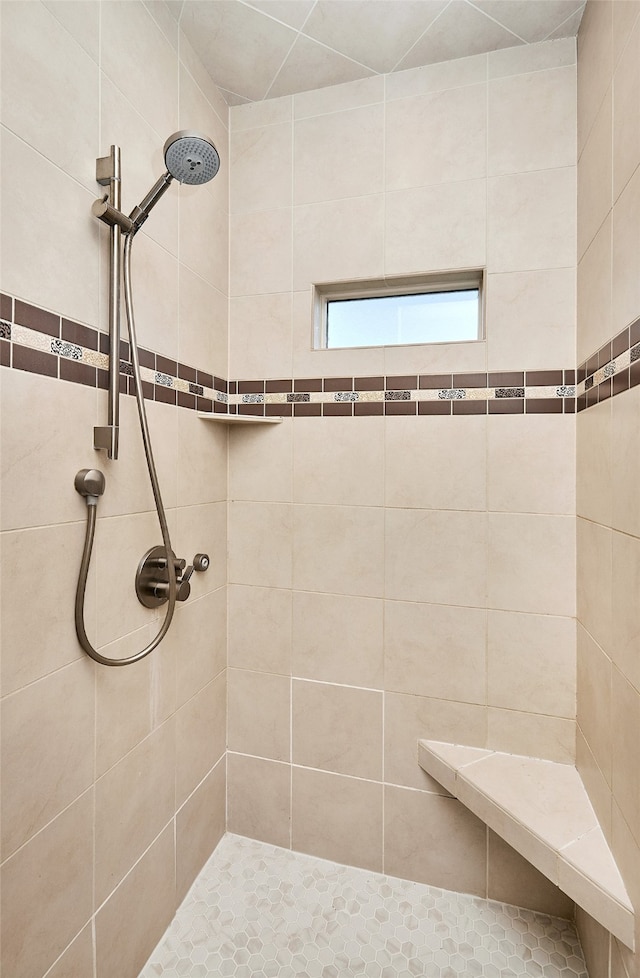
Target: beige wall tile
x,y
350,833
626,254
261,462
436,77
35,193
270,112
338,549
202,108
202,457
624,17
259,799
337,728
134,801
422,561
448,138
123,700
625,712
138,912
260,542
544,203
77,959
260,629
47,892
553,738
434,840
201,76
200,825
409,718
594,64
328,243
42,440
530,319
594,781
34,645
259,714
437,465
201,736
82,20
198,640
625,607
532,121
142,162
140,79
261,168
593,463
532,563
626,83
434,358
594,549
338,639
338,463
203,529
595,168
594,700
203,220
512,879
532,663
539,56
260,253
595,324
354,137
595,942
203,323
626,464
47,731
531,464
453,237
47,79
122,541
260,336
627,854
337,98
435,650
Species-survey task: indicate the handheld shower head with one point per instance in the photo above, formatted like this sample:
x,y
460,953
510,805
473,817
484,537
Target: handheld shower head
x,y
191,157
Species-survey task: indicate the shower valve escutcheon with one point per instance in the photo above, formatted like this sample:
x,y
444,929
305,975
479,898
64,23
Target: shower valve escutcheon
x,y
152,576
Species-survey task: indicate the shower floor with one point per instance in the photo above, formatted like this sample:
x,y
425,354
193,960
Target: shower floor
x,y
257,910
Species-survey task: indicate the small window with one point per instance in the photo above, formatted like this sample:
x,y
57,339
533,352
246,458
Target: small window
x,y
405,312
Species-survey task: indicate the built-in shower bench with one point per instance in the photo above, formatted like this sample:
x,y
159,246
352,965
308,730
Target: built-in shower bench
x,y
541,808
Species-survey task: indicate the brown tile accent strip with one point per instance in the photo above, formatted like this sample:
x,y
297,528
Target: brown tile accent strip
x,y
507,379
77,373
314,384
82,335
334,410
368,408
5,353
404,382
35,318
544,405
507,406
435,381
469,407
543,378
368,383
400,407
307,410
187,373
34,361
434,407
6,307
278,386
338,384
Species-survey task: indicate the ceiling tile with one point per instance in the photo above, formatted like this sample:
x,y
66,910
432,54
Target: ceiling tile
x,y
532,20
312,65
240,47
175,6
459,31
570,27
375,33
290,12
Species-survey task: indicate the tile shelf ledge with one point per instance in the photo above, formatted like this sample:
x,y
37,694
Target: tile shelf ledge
x,y
542,810
238,418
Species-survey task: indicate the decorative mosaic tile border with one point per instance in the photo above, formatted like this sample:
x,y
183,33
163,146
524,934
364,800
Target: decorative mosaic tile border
x,y
42,342
613,369
512,392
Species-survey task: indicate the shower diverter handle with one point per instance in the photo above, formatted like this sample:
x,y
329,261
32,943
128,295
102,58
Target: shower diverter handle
x,y
152,584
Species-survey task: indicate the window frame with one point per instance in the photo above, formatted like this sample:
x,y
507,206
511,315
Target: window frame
x,y
457,281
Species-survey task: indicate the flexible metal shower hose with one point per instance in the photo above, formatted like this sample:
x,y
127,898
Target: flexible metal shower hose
x,y
155,485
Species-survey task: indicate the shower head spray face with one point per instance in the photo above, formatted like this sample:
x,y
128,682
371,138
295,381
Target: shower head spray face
x,y
191,157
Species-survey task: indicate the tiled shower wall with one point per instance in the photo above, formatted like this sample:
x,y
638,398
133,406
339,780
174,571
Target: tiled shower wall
x,y
113,779
608,436
401,576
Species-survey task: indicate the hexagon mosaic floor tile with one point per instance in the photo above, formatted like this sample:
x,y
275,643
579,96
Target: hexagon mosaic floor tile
x,y
257,910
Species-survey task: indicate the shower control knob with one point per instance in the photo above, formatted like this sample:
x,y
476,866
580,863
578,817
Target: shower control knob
x,y
201,562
